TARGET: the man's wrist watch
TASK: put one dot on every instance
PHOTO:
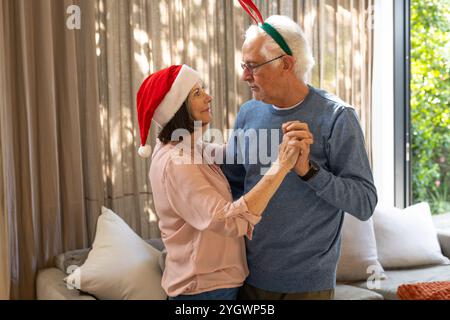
(313, 170)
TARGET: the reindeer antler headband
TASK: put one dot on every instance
(248, 6)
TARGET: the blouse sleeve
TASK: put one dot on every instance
(198, 202)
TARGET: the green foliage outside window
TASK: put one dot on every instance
(430, 102)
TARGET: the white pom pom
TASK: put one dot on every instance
(145, 151)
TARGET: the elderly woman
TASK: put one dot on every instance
(201, 226)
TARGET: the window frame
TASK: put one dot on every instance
(402, 118)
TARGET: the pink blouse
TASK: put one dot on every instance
(201, 227)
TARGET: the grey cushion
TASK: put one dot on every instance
(348, 292)
(444, 241)
(50, 285)
(388, 287)
(71, 258)
(156, 243)
(162, 260)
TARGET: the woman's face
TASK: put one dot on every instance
(199, 104)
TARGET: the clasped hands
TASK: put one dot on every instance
(295, 147)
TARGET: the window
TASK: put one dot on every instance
(430, 103)
(402, 168)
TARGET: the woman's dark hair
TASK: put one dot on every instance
(181, 120)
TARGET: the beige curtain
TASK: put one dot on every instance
(43, 94)
(4, 255)
(68, 123)
(141, 36)
(138, 37)
(4, 261)
(340, 32)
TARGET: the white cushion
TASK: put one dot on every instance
(359, 258)
(406, 238)
(120, 265)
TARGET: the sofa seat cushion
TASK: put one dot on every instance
(395, 278)
(50, 285)
(348, 292)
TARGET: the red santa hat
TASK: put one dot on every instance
(160, 96)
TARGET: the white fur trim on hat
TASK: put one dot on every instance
(145, 151)
(186, 79)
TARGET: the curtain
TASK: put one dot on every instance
(135, 38)
(4, 261)
(68, 123)
(45, 92)
(138, 37)
(341, 34)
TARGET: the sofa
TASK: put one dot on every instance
(50, 283)
(387, 289)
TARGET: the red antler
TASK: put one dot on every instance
(247, 5)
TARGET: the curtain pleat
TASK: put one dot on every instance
(5, 276)
(4, 228)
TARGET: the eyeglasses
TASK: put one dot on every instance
(251, 68)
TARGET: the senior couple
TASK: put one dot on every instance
(229, 230)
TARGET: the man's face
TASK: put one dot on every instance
(263, 80)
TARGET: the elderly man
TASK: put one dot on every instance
(295, 248)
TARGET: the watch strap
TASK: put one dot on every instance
(313, 170)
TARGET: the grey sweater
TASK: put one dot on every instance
(296, 245)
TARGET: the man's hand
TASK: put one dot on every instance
(302, 139)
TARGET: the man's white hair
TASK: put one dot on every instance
(294, 37)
